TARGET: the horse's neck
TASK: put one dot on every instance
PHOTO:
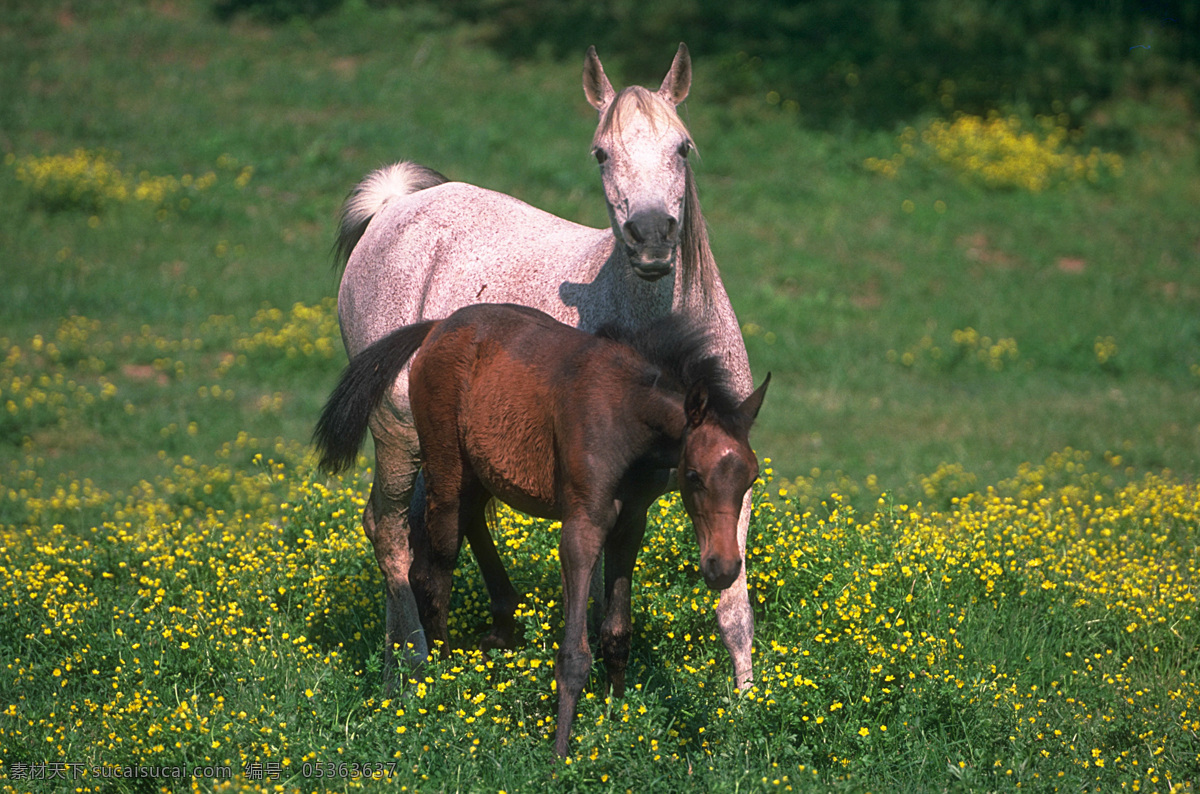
(687, 290)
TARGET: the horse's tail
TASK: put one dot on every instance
(343, 424)
(370, 195)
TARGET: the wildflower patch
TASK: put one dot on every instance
(998, 152)
(1051, 613)
(92, 180)
(229, 615)
(967, 348)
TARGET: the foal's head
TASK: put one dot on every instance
(642, 146)
(716, 465)
(716, 469)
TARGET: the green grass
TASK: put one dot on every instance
(228, 616)
(175, 359)
(813, 248)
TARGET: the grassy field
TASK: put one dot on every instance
(179, 587)
(836, 265)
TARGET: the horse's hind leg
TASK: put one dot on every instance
(500, 590)
(386, 524)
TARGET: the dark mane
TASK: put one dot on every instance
(680, 347)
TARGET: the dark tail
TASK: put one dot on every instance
(343, 423)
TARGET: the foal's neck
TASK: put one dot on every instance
(660, 410)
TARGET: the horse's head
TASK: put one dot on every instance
(716, 469)
(642, 146)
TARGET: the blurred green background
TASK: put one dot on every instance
(961, 235)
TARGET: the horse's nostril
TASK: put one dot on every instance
(651, 227)
(634, 232)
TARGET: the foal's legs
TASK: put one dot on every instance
(500, 590)
(620, 554)
(656, 483)
(454, 502)
(735, 617)
(578, 551)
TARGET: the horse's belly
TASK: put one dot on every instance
(510, 446)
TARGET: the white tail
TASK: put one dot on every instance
(373, 193)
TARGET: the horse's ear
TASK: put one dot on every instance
(596, 87)
(748, 410)
(695, 404)
(675, 85)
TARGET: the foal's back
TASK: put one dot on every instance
(497, 387)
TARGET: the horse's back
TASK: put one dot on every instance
(431, 252)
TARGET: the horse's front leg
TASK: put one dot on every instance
(578, 551)
(620, 555)
(735, 618)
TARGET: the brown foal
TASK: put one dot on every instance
(561, 424)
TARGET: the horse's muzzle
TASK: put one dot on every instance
(652, 269)
(651, 238)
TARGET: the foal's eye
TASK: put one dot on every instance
(600, 155)
(693, 478)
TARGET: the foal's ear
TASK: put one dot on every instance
(596, 88)
(748, 410)
(675, 85)
(695, 404)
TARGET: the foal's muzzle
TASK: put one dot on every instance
(720, 573)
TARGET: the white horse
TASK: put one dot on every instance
(419, 247)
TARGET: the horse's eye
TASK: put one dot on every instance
(693, 478)
(684, 149)
(600, 155)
